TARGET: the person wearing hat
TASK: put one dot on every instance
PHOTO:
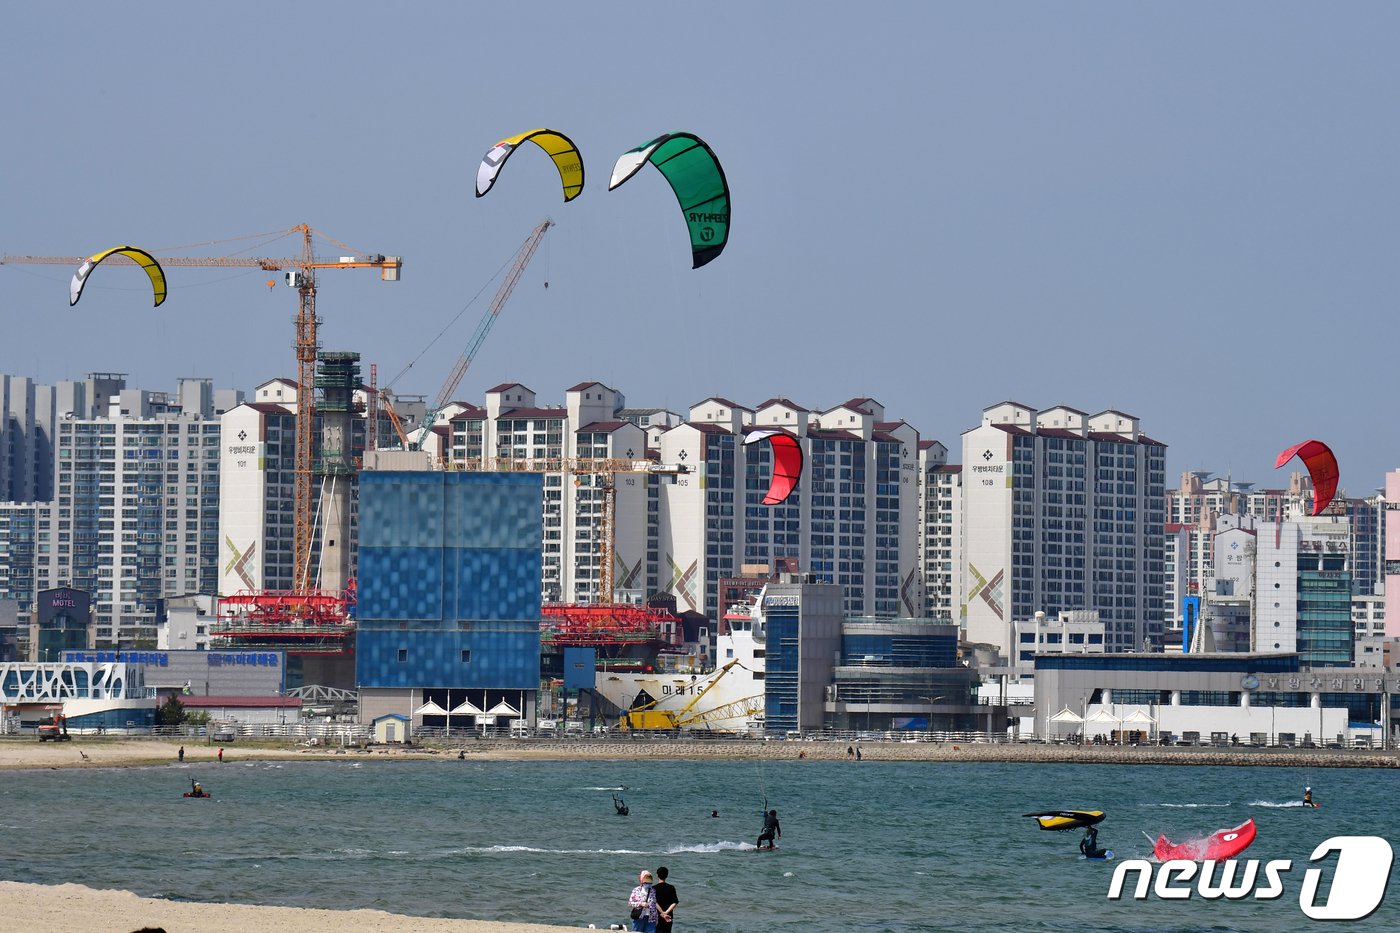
(642, 900)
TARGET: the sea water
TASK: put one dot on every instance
(871, 845)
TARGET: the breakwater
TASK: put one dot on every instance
(642, 746)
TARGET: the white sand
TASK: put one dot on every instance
(37, 908)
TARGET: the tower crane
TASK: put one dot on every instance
(488, 320)
(301, 275)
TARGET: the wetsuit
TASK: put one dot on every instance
(771, 829)
(1089, 845)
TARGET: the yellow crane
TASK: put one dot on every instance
(301, 275)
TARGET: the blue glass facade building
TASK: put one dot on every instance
(449, 580)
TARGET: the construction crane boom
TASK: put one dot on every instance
(517, 269)
(302, 277)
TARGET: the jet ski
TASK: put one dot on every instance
(1067, 819)
(1219, 845)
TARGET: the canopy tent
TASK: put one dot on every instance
(1140, 717)
(430, 708)
(1103, 714)
(503, 709)
(466, 708)
(1067, 715)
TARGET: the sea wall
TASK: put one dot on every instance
(648, 747)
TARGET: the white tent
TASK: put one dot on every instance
(466, 708)
(1140, 717)
(1104, 714)
(1067, 715)
(503, 709)
(430, 708)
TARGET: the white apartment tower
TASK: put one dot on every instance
(853, 519)
(1062, 511)
(137, 511)
(941, 520)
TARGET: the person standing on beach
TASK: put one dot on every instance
(182, 753)
(666, 900)
(221, 754)
(642, 900)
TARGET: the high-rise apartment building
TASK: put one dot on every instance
(1063, 511)
(941, 522)
(136, 509)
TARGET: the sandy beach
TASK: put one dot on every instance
(66, 907)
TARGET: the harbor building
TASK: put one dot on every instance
(449, 602)
(1256, 698)
(1063, 511)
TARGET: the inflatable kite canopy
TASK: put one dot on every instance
(787, 463)
(1322, 468)
(1219, 845)
(697, 179)
(139, 256)
(556, 145)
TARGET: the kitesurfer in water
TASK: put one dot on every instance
(771, 830)
(620, 805)
(1307, 797)
(1089, 845)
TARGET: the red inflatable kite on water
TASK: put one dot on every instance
(1322, 467)
(787, 463)
(1219, 845)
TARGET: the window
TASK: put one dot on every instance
(466, 656)
(403, 655)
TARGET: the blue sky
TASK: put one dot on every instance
(1186, 212)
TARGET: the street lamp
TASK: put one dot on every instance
(931, 701)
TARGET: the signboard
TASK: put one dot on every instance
(580, 668)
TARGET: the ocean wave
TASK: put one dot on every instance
(1276, 804)
(1189, 806)
(721, 846)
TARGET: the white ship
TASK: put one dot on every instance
(728, 698)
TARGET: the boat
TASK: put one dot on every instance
(729, 698)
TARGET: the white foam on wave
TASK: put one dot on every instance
(623, 787)
(1276, 804)
(506, 850)
(1202, 806)
(721, 846)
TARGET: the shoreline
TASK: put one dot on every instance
(106, 752)
(40, 908)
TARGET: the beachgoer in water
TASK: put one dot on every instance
(714, 814)
(771, 830)
(620, 806)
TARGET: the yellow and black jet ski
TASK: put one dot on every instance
(1067, 819)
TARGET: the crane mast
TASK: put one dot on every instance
(301, 274)
(517, 269)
